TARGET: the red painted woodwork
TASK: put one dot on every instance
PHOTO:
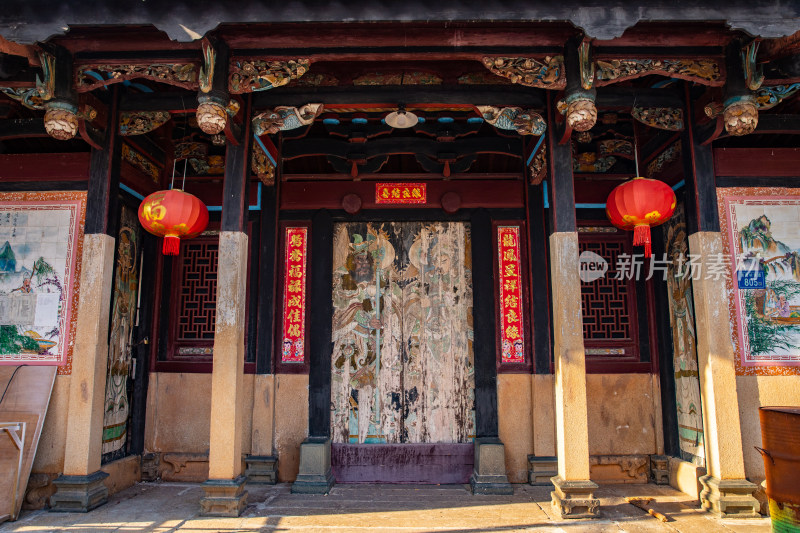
(44, 167)
(174, 215)
(109, 39)
(639, 204)
(329, 194)
(751, 162)
(439, 463)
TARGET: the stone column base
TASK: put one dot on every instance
(575, 499)
(659, 469)
(541, 469)
(315, 475)
(489, 474)
(729, 498)
(79, 494)
(261, 469)
(224, 497)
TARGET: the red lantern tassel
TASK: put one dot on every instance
(172, 245)
(641, 237)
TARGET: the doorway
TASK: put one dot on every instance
(402, 360)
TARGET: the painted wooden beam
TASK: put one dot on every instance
(746, 162)
(44, 167)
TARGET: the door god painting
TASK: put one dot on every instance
(402, 365)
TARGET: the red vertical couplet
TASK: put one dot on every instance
(510, 291)
(294, 296)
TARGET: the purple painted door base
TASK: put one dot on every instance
(435, 463)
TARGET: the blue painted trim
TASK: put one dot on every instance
(269, 155)
(445, 120)
(535, 149)
(679, 185)
(95, 75)
(474, 120)
(130, 191)
(421, 120)
(256, 207)
(544, 193)
(332, 121)
(590, 206)
(359, 120)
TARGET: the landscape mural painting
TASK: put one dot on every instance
(763, 234)
(38, 254)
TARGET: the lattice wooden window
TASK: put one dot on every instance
(194, 298)
(608, 303)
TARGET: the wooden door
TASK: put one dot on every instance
(402, 364)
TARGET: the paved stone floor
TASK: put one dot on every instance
(163, 507)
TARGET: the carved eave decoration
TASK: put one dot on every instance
(524, 122)
(184, 75)
(35, 97)
(538, 165)
(663, 118)
(141, 122)
(284, 118)
(615, 147)
(250, 75)
(663, 159)
(262, 165)
(769, 97)
(704, 71)
(141, 162)
(547, 73)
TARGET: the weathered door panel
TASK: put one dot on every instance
(402, 333)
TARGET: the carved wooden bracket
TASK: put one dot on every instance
(92, 76)
(285, 118)
(524, 122)
(250, 75)
(545, 73)
(663, 118)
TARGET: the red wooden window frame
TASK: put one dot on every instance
(525, 367)
(631, 362)
(172, 361)
(281, 367)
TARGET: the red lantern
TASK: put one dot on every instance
(638, 205)
(173, 214)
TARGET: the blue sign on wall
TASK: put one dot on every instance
(752, 279)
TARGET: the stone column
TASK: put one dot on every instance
(224, 490)
(81, 486)
(725, 490)
(225, 494)
(574, 492)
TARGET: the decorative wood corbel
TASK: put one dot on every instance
(284, 118)
(524, 122)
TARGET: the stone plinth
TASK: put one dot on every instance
(541, 469)
(79, 494)
(315, 475)
(729, 498)
(489, 475)
(224, 497)
(575, 499)
(261, 469)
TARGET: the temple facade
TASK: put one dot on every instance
(408, 274)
